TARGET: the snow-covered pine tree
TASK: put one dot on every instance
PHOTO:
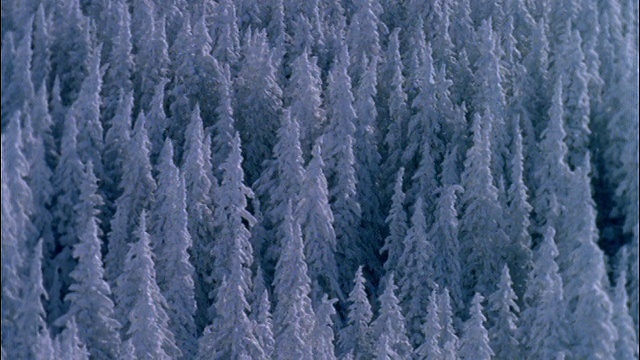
(200, 185)
(323, 335)
(447, 269)
(627, 343)
(118, 75)
(225, 33)
(543, 333)
(70, 48)
(68, 344)
(67, 180)
(86, 109)
(551, 170)
(589, 309)
(474, 343)
(138, 295)
(115, 148)
(137, 186)
(12, 261)
(41, 57)
(89, 294)
(232, 256)
(415, 273)
(367, 157)
(341, 175)
(280, 182)
(397, 224)
(294, 318)
(393, 112)
(482, 237)
(304, 98)
(260, 310)
(259, 102)
(390, 321)
(363, 39)
(30, 318)
(503, 314)
(171, 243)
(224, 127)
(356, 338)
(448, 339)
(316, 221)
(18, 89)
(431, 330)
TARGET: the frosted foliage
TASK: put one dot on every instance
(190, 179)
(474, 343)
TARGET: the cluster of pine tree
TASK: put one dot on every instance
(319, 179)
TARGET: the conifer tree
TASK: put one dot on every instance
(551, 169)
(503, 313)
(196, 169)
(137, 186)
(171, 243)
(339, 158)
(390, 321)
(397, 223)
(41, 57)
(316, 220)
(86, 110)
(481, 233)
(431, 329)
(12, 260)
(394, 129)
(138, 295)
(363, 38)
(592, 331)
(447, 269)
(18, 90)
(627, 344)
(448, 339)
(224, 128)
(543, 332)
(67, 180)
(226, 36)
(264, 323)
(474, 343)
(323, 336)
(151, 55)
(259, 102)
(118, 75)
(70, 48)
(69, 345)
(89, 294)
(415, 270)
(294, 318)
(115, 147)
(156, 118)
(356, 338)
(30, 317)
(367, 157)
(304, 99)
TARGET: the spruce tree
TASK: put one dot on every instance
(341, 175)
(447, 268)
(448, 339)
(323, 335)
(482, 237)
(171, 243)
(356, 338)
(474, 343)
(294, 318)
(390, 321)
(543, 333)
(316, 221)
(41, 57)
(263, 323)
(138, 295)
(397, 223)
(627, 343)
(503, 314)
(29, 319)
(415, 272)
(431, 330)
(68, 343)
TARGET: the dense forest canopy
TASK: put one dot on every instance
(320, 179)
